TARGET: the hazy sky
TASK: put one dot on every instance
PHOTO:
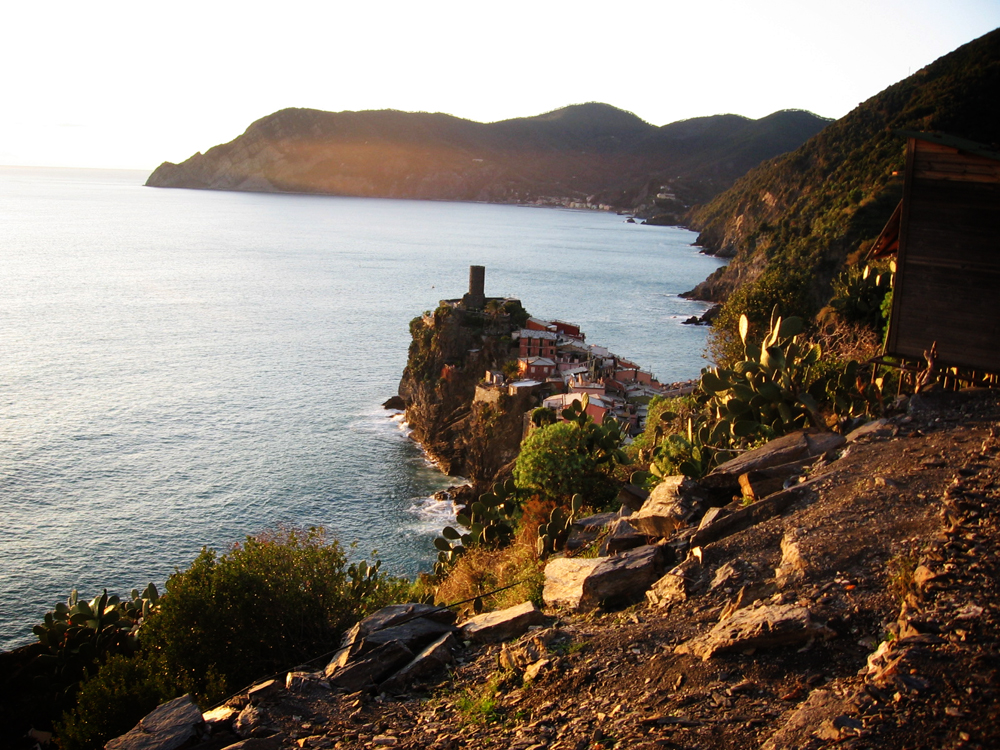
(131, 84)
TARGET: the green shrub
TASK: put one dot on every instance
(110, 703)
(280, 598)
(561, 460)
(859, 293)
(788, 290)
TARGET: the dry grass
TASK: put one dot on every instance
(843, 341)
(480, 570)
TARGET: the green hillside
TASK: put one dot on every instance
(794, 221)
(590, 154)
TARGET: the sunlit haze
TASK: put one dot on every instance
(125, 84)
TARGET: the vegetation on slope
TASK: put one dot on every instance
(792, 223)
(583, 152)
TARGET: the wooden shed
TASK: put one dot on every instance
(946, 236)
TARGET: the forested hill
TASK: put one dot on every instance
(582, 153)
(801, 215)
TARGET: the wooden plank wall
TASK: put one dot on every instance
(948, 269)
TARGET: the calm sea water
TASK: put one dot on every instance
(183, 368)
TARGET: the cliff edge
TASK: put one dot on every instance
(466, 430)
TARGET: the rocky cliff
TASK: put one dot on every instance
(450, 353)
(590, 153)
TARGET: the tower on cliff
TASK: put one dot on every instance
(475, 299)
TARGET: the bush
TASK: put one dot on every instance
(280, 598)
(556, 462)
(110, 703)
(859, 294)
(788, 290)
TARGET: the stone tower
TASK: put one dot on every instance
(476, 298)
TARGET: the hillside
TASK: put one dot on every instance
(810, 209)
(859, 639)
(583, 153)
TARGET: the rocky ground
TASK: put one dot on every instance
(875, 600)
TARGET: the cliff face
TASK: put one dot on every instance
(449, 355)
(592, 153)
(811, 208)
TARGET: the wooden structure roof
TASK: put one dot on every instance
(946, 234)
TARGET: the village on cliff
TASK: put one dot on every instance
(555, 363)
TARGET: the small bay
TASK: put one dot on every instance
(182, 368)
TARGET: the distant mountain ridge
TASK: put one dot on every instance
(588, 153)
(810, 210)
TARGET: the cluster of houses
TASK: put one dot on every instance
(555, 361)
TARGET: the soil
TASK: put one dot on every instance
(898, 541)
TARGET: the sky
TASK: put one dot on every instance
(132, 84)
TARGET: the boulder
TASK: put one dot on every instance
(631, 497)
(169, 726)
(251, 721)
(395, 403)
(415, 625)
(263, 690)
(430, 660)
(367, 672)
(795, 446)
(220, 717)
(671, 504)
(582, 585)
(793, 567)
(806, 723)
(565, 578)
(621, 536)
(586, 530)
(676, 584)
(302, 682)
(502, 625)
(529, 650)
(759, 627)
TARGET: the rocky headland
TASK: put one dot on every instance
(588, 155)
(465, 434)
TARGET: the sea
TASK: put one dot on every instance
(182, 368)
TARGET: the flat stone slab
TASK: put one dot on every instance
(169, 726)
(503, 625)
(794, 446)
(428, 661)
(259, 743)
(751, 515)
(582, 585)
(757, 627)
(372, 669)
(801, 727)
(414, 634)
(877, 428)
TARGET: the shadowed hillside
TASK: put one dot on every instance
(809, 210)
(587, 153)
